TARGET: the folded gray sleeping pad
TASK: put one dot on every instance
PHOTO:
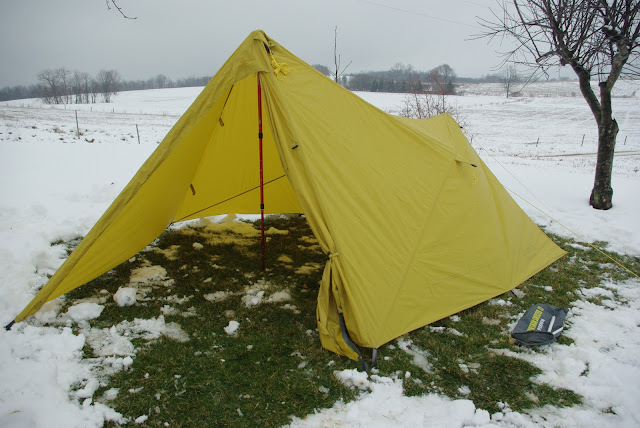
(541, 324)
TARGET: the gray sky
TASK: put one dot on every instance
(181, 38)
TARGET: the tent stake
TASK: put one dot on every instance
(261, 171)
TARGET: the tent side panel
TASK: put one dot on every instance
(151, 199)
(366, 183)
(415, 232)
(478, 244)
(137, 216)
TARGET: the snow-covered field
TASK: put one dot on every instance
(54, 185)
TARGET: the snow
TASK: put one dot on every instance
(125, 296)
(382, 404)
(218, 296)
(85, 311)
(147, 274)
(353, 379)
(116, 341)
(141, 419)
(54, 186)
(600, 366)
(420, 357)
(232, 328)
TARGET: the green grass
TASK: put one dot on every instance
(275, 366)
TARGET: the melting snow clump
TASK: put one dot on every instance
(148, 274)
(218, 296)
(273, 231)
(253, 297)
(141, 419)
(353, 379)
(464, 390)
(111, 394)
(85, 311)
(232, 328)
(419, 356)
(125, 296)
(127, 362)
(279, 296)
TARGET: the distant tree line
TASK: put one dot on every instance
(19, 92)
(62, 86)
(405, 79)
(400, 78)
(161, 81)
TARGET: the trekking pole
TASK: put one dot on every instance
(261, 171)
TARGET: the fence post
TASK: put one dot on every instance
(138, 132)
(77, 126)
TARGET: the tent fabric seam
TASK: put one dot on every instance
(418, 241)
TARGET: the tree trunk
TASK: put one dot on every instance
(602, 193)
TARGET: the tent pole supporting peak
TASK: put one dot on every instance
(261, 170)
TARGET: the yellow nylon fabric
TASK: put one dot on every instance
(160, 192)
(414, 225)
(228, 176)
(418, 231)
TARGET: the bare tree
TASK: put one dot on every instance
(442, 80)
(161, 81)
(80, 88)
(64, 75)
(87, 85)
(336, 58)
(598, 39)
(53, 85)
(508, 77)
(400, 71)
(48, 84)
(118, 8)
(94, 90)
(322, 69)
(421, 102)
(108, 81)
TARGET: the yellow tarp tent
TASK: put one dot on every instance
(414, 225)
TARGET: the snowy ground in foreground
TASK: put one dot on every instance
(54, 186)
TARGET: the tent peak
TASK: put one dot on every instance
(260, 35)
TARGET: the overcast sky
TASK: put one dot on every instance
(181, 38)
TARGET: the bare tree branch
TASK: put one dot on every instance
(598, 39)
(118, 8)
(336, 57)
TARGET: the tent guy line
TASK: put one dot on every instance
(226, 200)
(425, 15)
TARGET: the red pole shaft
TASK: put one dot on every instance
(261, 169)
